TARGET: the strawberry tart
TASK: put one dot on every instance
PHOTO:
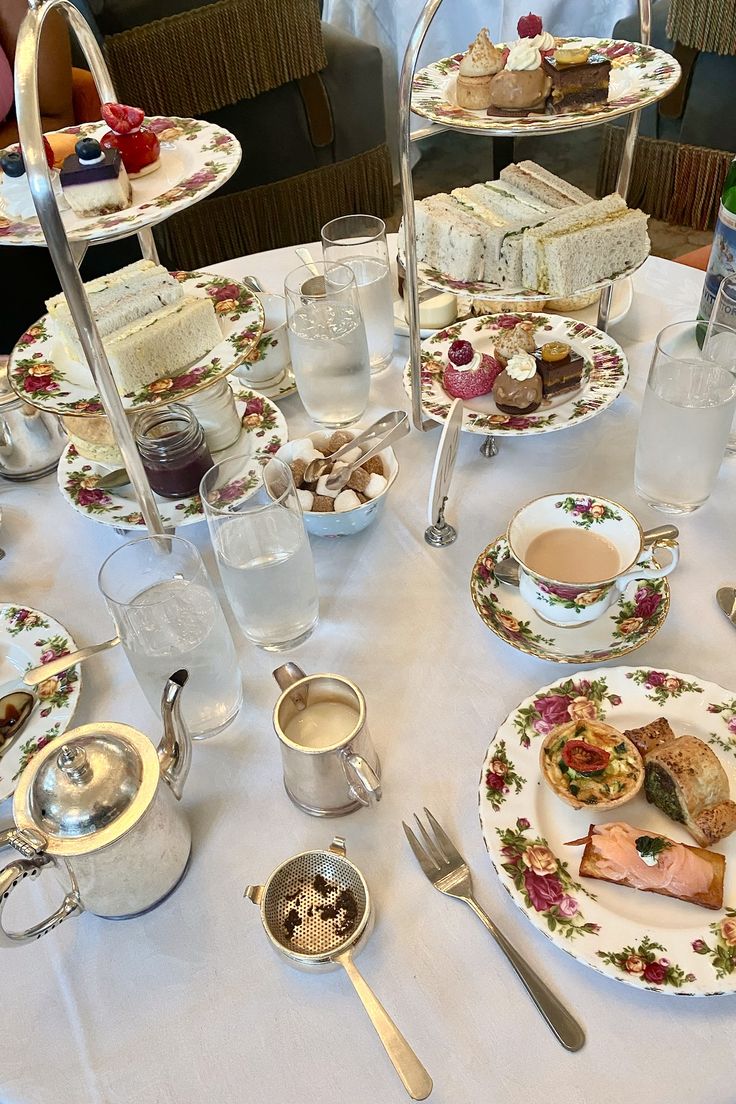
(469, 374)
(138, 145)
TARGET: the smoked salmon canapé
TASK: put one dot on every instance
(591, 765)
(640, 859)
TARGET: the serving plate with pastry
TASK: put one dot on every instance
(520, 374)
(607, 807)
(167, 335)
(117, 176)
(541, 83)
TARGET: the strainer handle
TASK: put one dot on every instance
(414, 1076)
(363, 780)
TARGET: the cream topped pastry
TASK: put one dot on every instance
(477, 68)
(522, 366)
(523, 57)
(468, 374)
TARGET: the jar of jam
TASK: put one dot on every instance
(173, 449)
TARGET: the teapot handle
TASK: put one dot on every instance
(12, 876)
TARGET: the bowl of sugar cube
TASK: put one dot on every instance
(338, 513)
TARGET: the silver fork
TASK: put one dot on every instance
(448, 872)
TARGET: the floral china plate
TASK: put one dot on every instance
(629, 623)
(27, 639)
(640, 75)
(43, 373)
(605, 375)
(643, 939)
(286, 385)
(196, 159)
(263, 432)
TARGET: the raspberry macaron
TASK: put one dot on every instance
(469, 374)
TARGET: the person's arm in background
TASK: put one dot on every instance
(54, 67)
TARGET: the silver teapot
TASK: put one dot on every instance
(31, 440)
(100, 806)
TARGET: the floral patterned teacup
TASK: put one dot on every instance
(567, 603)
(266, 363)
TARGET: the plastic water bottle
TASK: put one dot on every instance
(722, 260)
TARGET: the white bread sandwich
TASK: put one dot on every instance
(534, 181)
(163, 344)
(116, 300)
(582, 245)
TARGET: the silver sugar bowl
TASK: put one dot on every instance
(31, 440)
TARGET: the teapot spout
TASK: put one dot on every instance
(175, 749)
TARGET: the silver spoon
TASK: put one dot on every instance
(18, 697)
(507, 570)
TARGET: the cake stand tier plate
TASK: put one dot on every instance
(605, 375)
(640, 75)
(27, 639)
(263, 432)
(646, 940)
(196, 159)
(43, 373)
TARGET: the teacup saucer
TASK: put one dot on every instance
(284, 386)
(632, 621)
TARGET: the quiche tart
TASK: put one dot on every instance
(591, 765)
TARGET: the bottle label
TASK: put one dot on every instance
(722, 259)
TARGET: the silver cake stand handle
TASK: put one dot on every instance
(62, 255)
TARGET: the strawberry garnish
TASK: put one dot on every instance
(121, 118)
(529, 26)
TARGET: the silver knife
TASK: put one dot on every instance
(726, 597)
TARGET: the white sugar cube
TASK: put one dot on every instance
(303, 449)
(350, 456)
(306, 499)
(346, 500)
(323, 489)
(375, 486)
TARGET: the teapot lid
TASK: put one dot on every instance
(87, 787)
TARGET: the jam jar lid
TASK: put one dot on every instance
(87, 787)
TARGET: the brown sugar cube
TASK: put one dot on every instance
(363, 498)
(323, 505)
(358, 481)
(374, 466)
(339, 438)
(298, 468)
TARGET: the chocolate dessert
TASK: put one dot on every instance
(518, 92)
(577, 85)
(560, 367)
(513, 396)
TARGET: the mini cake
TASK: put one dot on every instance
(94, 180)
(518, 389)
(579, 78)
(510, 339)
(139, 147)
(522, 85)
(93, 439)
(16, 200)
(469, 374)
(482, 61)
(560, 367)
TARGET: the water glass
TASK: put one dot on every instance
(688, 408)
(329, 352)
(359, 241)
(262, 550)
(723, 315)
(168, 616)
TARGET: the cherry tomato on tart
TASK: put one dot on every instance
(591, 765)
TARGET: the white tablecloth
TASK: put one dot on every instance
(188, 1003)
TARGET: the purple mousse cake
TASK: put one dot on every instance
(94, 180)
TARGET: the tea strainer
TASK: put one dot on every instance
(316, 910)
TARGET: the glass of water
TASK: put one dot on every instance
(262, 549)
(359, 241)
(168, 616)
(722, 329)
(329, 352)
(688, 408)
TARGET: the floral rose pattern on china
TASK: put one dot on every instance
(55, 691)
(727, 712)
(501, 777)
(587, 511)
(30, 747)
(19, 619)
(490, 606)
(722, 949)
(569, 700)
(543, 881)
(661, 686)
(642, 962)
(635, 616)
